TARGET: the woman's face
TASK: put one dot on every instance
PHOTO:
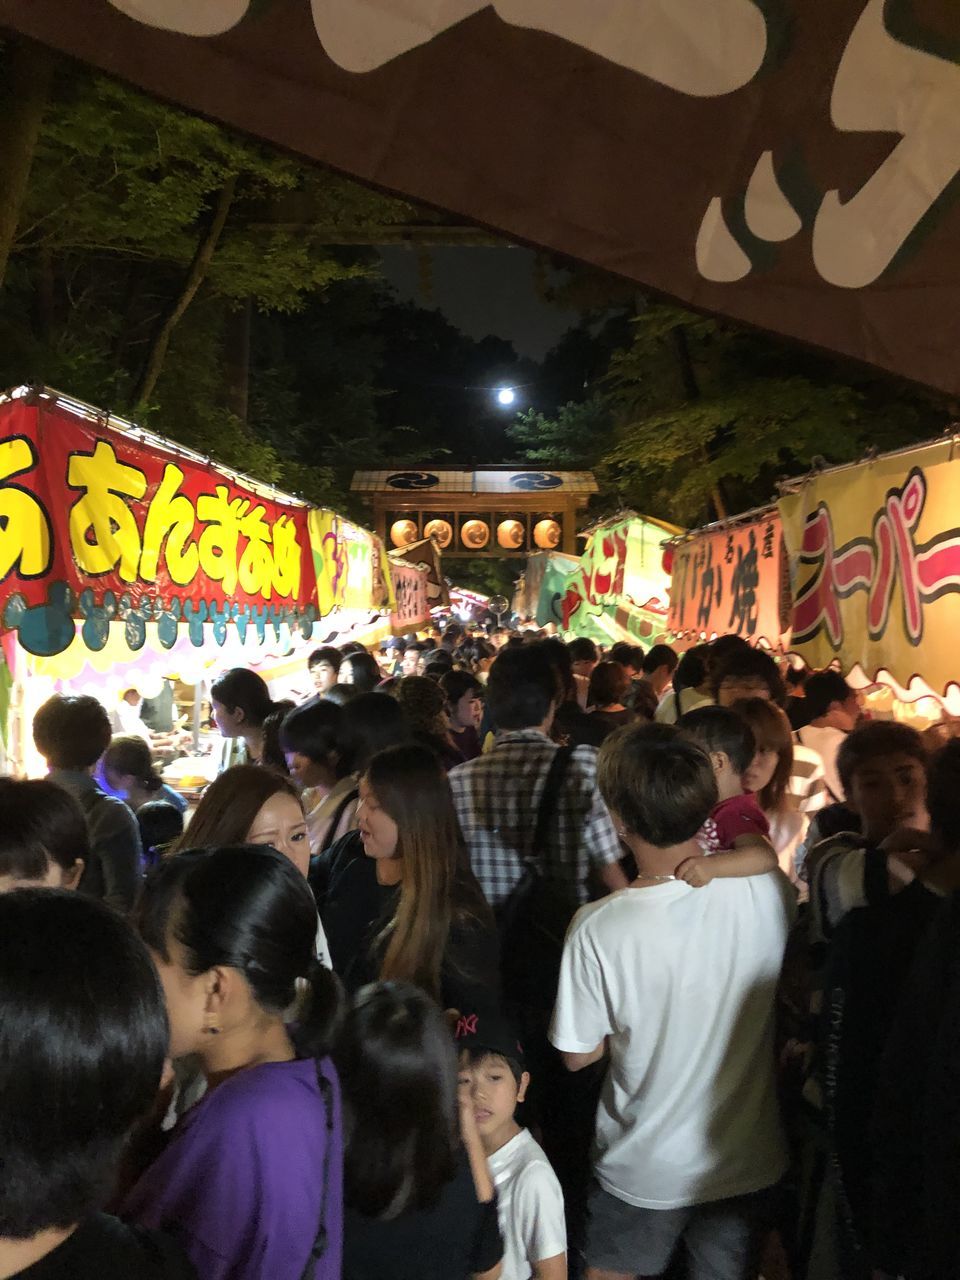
(346, 672)
(761, 769)
(468, 711)
(230, 723)
(378, 831)
(281, 824)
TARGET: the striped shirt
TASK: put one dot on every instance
(497, 797)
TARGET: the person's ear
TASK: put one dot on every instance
(524, 1086)
(71, 878)
(719, 760)
(239, 715)
(218, 986)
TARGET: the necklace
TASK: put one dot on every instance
(659, 879)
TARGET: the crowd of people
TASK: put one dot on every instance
(497, 958)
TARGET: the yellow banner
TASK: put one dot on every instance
(875, 565)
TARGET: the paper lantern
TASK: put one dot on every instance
(546, 534)
(403, 532)
(440, 531)
(510, 534)
(475, 534)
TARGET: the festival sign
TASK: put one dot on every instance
(875, 561)
(622, 572)
(787, 163)
(349, 563)
(104, 524)
(731, 581)
(412, 601)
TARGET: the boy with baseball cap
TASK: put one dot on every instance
(494, 1077)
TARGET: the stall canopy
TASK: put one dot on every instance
(731, 578)
(619, 588)
(875, 561)
(113, 540)
(787, 163)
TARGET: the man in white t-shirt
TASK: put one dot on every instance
(494, 1079)
(834, 709)
(677, 984)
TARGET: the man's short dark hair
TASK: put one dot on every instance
(943, 796)
(71, 733)
(874, 739)
(582, 649)
(824, 688)
(661, 655)
(659, 782)
(721, 729)
(521, 687)
(83, 1035)
(328, 654)
(628, 655)
(744, 663)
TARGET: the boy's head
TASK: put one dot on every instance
(43, 835)
(658, 784)
(743, 672)
(831, 700)
(492, 1073)
(659, 665)
(883, 769)
(324, 665)
(71, 733)
(943, 796)
(727, 739)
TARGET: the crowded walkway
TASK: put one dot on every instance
(497, 958)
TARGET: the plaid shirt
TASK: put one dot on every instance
(497, 797)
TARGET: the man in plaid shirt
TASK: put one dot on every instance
(497, 796)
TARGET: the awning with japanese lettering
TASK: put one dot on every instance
(732, 580)
(621, 577)
(104, 524)
(787, 163)
(874, 554)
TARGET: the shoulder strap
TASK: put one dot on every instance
(548, 800)
(337, 818)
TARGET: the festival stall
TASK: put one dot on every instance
(618, 590)
(874, 550)
(731, 577)
(128, 563)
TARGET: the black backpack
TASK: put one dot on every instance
(533, 920)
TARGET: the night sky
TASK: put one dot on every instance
(483, 291)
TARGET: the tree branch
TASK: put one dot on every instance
(195, 277)
(28, 69)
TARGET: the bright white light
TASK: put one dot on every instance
(506, 396)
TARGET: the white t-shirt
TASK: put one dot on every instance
(682, 981)
(530, 1206)
(825, 741)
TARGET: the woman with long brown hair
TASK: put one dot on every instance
(399, 900)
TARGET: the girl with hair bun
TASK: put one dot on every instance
(127, 769)
(251, 1181)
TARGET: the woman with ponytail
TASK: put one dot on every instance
(127, 768)
(250, 1182)
(242, 706)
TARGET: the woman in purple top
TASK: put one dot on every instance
(250, 1183)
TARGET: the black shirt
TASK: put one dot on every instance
(453, 1240)
(354, 908)
(104, 1248)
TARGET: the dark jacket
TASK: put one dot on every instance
(112, 872)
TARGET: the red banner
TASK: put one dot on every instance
(100, 524)
(732, 581)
